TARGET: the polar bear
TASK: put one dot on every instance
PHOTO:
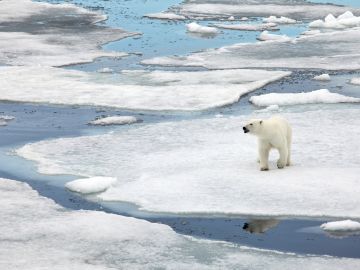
(274, 132)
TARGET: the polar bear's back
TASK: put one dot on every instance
(280, 124)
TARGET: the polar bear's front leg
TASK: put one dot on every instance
(283, 151)
(264, 149)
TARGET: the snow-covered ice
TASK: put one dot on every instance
(279, 20)
(165, 16)
(317, 96)
(114, 120)
(4, 119)
(355, 81)
(337, 50)
(266, 36)
(133, 90)
(248, 27)
(56, 44)
(91, 185)
(197, 28)
(322, 77)
(105, 70)
(48, 236)
(341, 226)
(295, 9)
(311, 32)
(346, 20)
(209, 166)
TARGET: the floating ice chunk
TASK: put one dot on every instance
(50, 237)
(165, 16)
(355, 81)
(248, 27)
(91, 185)
(279, 20)
(105, 70)
(4, 119)
(114, 120)
(322, 77)
(266, 36)
(56, 44)
(231, 18)
(317, 96)
(196, 28)
(187, 90)
(329, 51)
(271, 108)
(341, 226)
(346, 20)
(208, 166)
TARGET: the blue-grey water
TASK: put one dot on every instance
(160, 38)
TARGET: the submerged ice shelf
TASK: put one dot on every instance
(49, 236)
(208, 166)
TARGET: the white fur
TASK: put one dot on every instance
(274, 132)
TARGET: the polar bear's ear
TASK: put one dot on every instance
(260, 122)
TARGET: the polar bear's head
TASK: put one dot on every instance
(253, 126)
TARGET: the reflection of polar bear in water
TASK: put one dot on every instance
(260, 225)
(274, 132)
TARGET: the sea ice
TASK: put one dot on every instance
(50, 237)
(322, 77)
(317, 96)
(196, 28)
(295, 9)
(165, 16)
(159, 90)
(105, 70)
(266, 36)
(91, 185)
(57, 44)
(346, 20)
(341, 226)
(337, 50)
(114, 120)
(4, 119)
(355, 81)
(279, 20)
(208, 166)
(248, 27)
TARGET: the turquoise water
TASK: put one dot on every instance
(350, 3)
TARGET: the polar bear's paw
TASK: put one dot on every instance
(280, 164)
(264, 169)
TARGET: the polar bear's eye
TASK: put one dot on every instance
(251, 124)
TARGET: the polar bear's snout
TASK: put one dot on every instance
(245, 130)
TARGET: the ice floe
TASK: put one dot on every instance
(323, 77)
(311, 32)
(279, 20)
(114, 120)
(337, 50)
(165, 16)
(295, 9)
(341, 226)
(209, 166)
(91, 185)
(317, 96)
(56, 44)
(105, 70)
(140, 90)
(248, 27)
(346, 20)
(355, 81)
(4, 119)
(50, 237)
(197, 28)
(266, 36)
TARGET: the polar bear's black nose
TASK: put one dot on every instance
(245, 130)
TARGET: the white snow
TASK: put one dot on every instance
(114, 120)
(343, 21)
(248, 27)
(341, 226)
(317, 96)
(266, 36)
(279, 20)
(105, 70)
(165, 16)
(231, 18)
(91, 185)
(336, 50)
(57, 44)
(355, 81)
(48, 236)
(322, 77)
(197, 28)
(208, 166)
(140, 90)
